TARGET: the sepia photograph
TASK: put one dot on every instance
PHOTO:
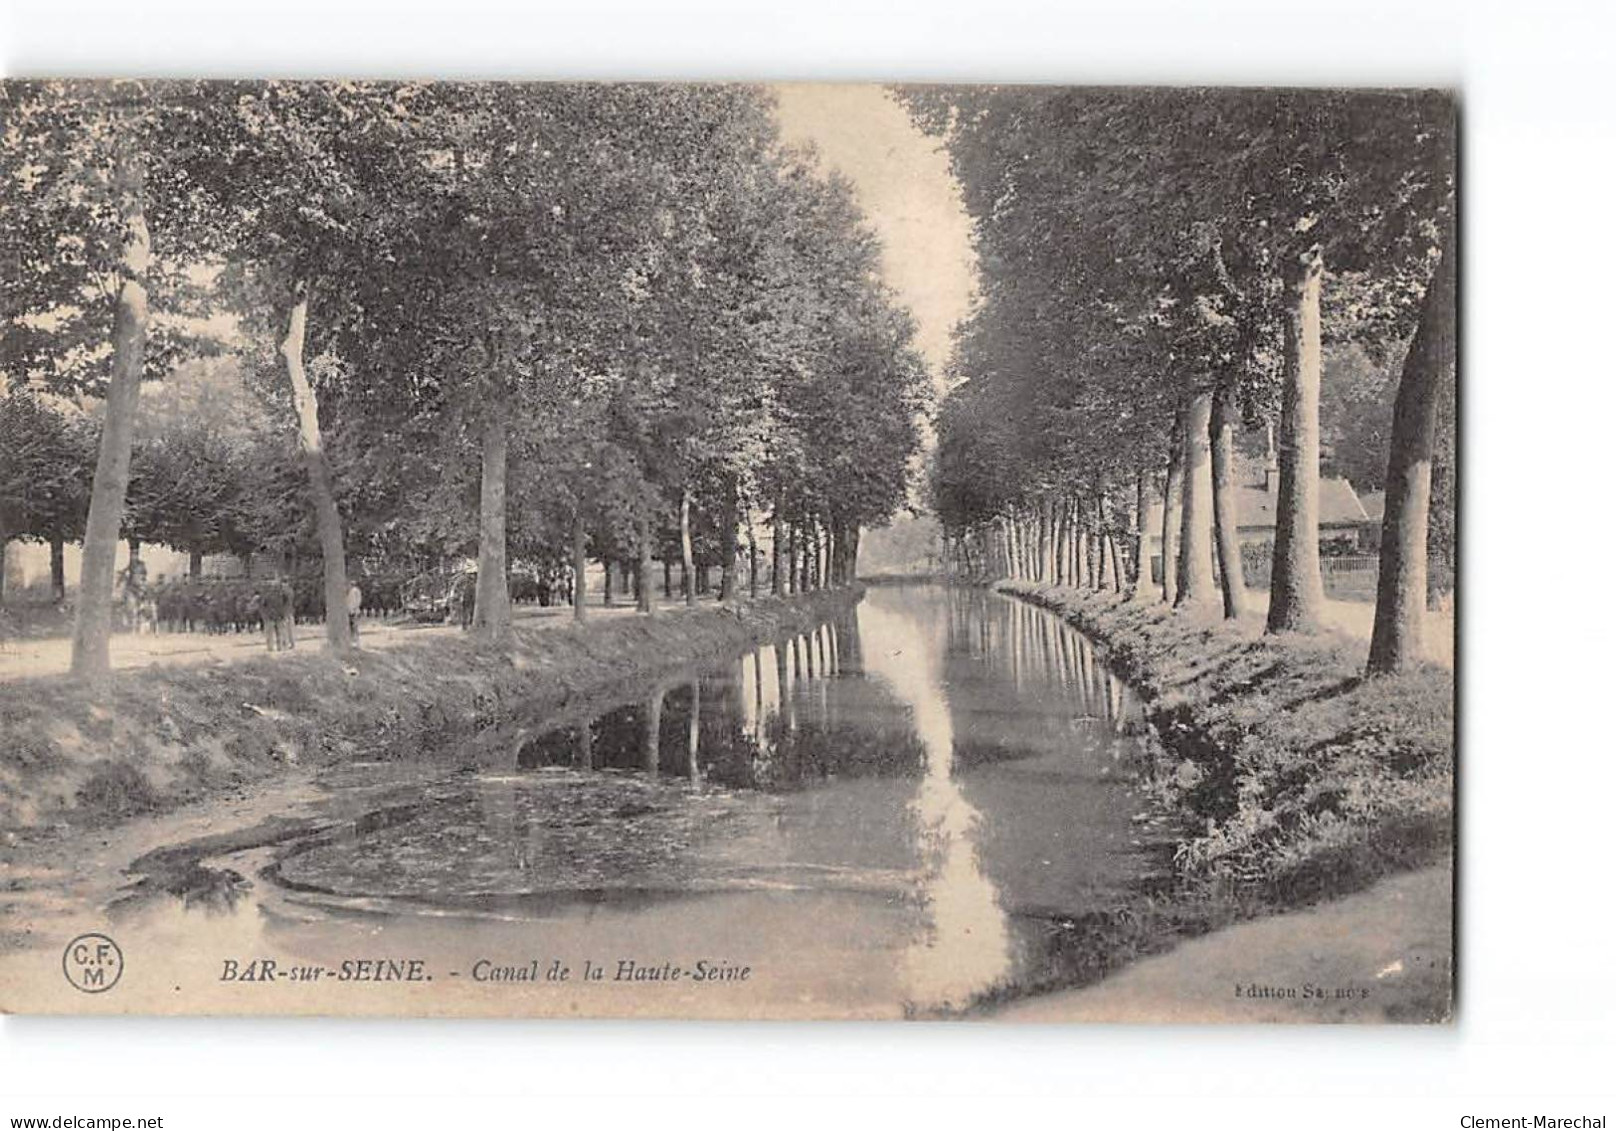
(728, 550)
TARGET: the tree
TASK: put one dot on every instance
(93, 173)
(101, 224)
(47, 457)
(501, 318)
(1145, 250)
(1195, 583)
(1400, 596)
(1296, 588)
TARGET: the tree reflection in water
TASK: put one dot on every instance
(967, 944)
(935, 778)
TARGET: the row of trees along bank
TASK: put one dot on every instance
(522, 320)
(1162, 272)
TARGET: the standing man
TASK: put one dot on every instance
(272, 609)
(288, 622)
(466, 599)
(355, 600)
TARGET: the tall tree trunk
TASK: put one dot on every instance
(854, 533)
(1400, 595)
(1063, 519)
(1117, 584)
(580, 562)
(751, 557)
(806, 582)
(491, 616)
(1042, 560)
(686, 554)
(58, 569)
(1057, 542)
(1226, 500)
(1196, 585)
(92, 619)
(1172, 493)
(1074, 531)
(647, 586)
(328, 521)
(1296, 590)
(693, 731)
(1102, 560)
(777, 538)
(1052, 565)
(195, 568)
(791, 558)
(1142, 588)
(731, 551)
(1095, 548)
(1080, 549)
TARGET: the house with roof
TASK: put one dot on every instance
(1345, 526)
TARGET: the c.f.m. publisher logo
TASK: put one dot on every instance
(92, 963)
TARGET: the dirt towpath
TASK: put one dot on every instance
(1384, 954)
(23, 659)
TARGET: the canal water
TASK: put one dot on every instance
(893, 813)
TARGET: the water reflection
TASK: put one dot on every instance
(802, 710)
(966, 945)
(940, 774)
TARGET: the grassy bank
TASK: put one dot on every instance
(1282, 776)
(1288, 769)
(160, 737)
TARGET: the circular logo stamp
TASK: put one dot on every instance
(92, 963)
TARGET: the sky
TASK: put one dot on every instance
(906, 190)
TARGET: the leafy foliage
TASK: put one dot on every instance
(651, 292)
(1135, 248)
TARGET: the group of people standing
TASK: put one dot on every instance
(214, 607)
(190, 604)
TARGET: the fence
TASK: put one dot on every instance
(1347, 577)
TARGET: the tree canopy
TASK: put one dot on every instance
(484, 314)
(1157, 258)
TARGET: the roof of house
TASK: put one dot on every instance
(1338, 506)
(1374, 504)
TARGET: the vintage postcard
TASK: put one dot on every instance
(727, 551)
